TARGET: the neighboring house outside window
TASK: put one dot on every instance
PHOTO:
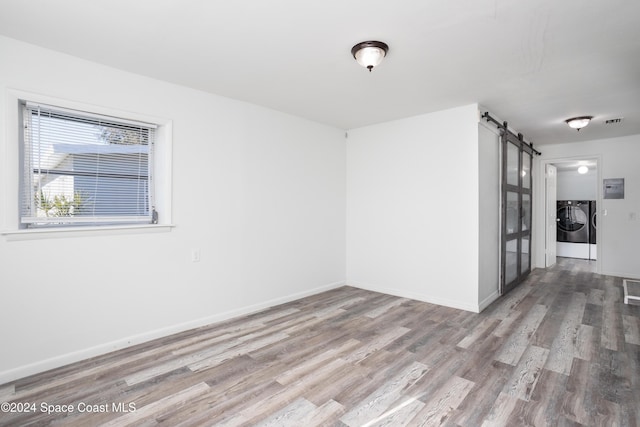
(80, 168)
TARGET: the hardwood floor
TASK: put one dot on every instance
(561, 350)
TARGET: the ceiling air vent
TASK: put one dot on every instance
(613, 121)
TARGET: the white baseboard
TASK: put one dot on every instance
(488, 300)
(76, 356)
(623, 275)
(416, 296)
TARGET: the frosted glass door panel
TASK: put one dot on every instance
(511, 261)
(526, 170)
(513, 154)
(513, 215)
(526, 212)
(524, 266)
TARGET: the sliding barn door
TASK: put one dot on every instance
(516, 211)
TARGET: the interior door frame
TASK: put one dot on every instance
(542, 194)
(520, 234)
(550, 236)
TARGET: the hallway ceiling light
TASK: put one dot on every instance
(370, 54)
(582, 170)
(578, 122)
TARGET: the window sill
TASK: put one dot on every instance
(49, 233)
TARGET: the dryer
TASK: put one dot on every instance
(593, 247)
(573, 221)
(592, 222)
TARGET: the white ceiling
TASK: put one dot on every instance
(533, 63)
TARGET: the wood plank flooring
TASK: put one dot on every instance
(560, 350)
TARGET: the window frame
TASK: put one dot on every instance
(10, 217)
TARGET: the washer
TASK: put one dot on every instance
(573, 221)
(592, 222)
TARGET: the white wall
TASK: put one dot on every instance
(619, 229)
(260, 193)
(575, 186)
(412, 207)
(489, 213)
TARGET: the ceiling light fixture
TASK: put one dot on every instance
(583, 169)
(370, 54)
(578, 122)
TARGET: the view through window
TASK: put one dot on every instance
(84, 169)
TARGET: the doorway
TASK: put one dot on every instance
(572, 199)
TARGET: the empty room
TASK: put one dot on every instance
(287, 213)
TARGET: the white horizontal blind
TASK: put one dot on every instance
(83, 168)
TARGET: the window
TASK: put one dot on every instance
(80, 168)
